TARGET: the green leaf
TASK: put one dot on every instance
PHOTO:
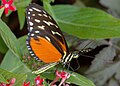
(22, 42)
(2, 79)
(21, 17)
(48, 8)
(22, 3)
(10, 39)
(87, 22)
(20, 78)
(15, 66)
(80, 80)
(3, 47)
(1, 11)
(48, 1)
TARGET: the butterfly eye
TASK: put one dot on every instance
(75, 55)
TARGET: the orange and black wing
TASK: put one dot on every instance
(45, 40)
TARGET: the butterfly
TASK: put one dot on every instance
(45, 40)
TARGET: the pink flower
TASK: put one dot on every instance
(8, 6)
(39, 81)
(26, 84)
(63, 75)
(10, 82)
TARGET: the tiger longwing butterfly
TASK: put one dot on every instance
(45, 40)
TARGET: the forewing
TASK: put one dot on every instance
(39, 19)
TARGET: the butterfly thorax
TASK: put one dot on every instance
(68, 57)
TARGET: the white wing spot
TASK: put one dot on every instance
(30, 10)
(47, 38)
(37, 31)
(56, 26)
(36, 58)
(31, 52)
(56, 33)
(31, 24)
(28, 17)
(32, 34)
(31, 28)
(36, 9)
(44, 12)
(46, 22)
(33, 14)
(29, 48)
(27, 42)
(39, 14)
(42, 27)
(38, 21)
(51, 23)
(50, 17)
(45, 15)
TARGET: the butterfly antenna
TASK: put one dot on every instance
(86, 56)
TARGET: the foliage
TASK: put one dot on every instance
(85, 23)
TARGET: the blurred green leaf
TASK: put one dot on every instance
(3, 47)
(87, 22)
(15, 66)
(1, 11)
(10, 39)
(48, 1)
(15, 63)
(48, 8)
(22, 42)
(80, 80)
(2, 79)
(21, 16)
(20, 78)
(22, 3)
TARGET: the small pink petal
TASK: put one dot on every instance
(12, 8)
(1, 6)
(65, 84)
(38, 80)
(12, 81)
(10, 2)
(4, 1)
(58, 74)
(29, 57)
(6, 10)
(26, 84)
